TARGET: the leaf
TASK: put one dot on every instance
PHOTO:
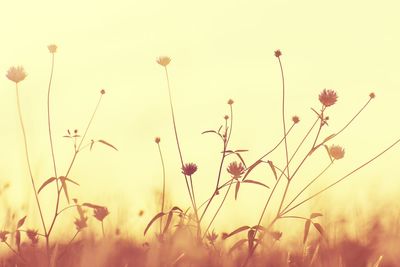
(106, 143)
(329, 154)
(237, 189)
(255, 182)
(21, 222)
(315, 215)
(93, 206)
(48, 181)
(240, 229)
(176, 208)
(250, 237)
(64, 185)
(329, 138)
(169, 219)
(259, 228)
(251, 168)
(237, 245)
(306, 230)
(159, 215)
(271, 164)
(71, 181)
(319, 228)
(91, 144)
(18, 239)
(241, 150)
(241, 159)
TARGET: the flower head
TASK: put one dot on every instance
(336, 152)
(52, 48)
(163, 61)
(100, 213)
(236, 169)
(33, 236)
(278, 53)
(189, 168)
(230, 102)
(3, 236)
(226, 117)
(328, 97)
(16, 74)
(212, 237)
(80, 223)
(102, 91)
(372, 95)
(295, 119)
(157, 140)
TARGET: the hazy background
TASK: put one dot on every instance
(219, 50)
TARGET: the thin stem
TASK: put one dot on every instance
(49, 119)
(163, 192)
(67, 246)
(283, 118)
(102, 228)
(344, 177)
(27, 158)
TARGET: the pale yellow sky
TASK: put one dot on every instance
(219, 50)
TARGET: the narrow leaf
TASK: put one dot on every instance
(255, 182)
(250, 237)
(93, 206)
(108, 144)
(48, 181)
(71, 181)
(21, 222)
(169, 219)
(237, 189)
(315, 215)
(329, 138)
(240, 229)
(91, 144)
(241, 159)
(64, 187)
(306, 230)
(319, 228)
(237, 245)
(241, 150)
(271, 164)
(176, 208)
(251, 168)
(159, 215)
(18, 239)
(329, 154)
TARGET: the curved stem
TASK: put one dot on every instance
(163, 192)
(283, 118)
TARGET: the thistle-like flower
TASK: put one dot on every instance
(163, 61)
(372, 95)
(336, 152)
(33, 236)
(328, 97)
(212, 237)
(16, 74)
(52, 48)
(278, 53)
(295, 119)
(81, 223)
(236, 169)
(3, 236)
(230, 102)
(100, 213)
(157, 140)
(189, 168)
(102, 91)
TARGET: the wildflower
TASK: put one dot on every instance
(189, 168)
(141, 212)
(16, 74)
(230, 102)
(212, 237)
(226, 117)
(3, 236)
(52, 48)
(372, 95)
(81, 223)
(295, 119)
(328, 97)
(336, 152)
(157, 140)
(163, 61)
(278, 53)
(235, 169)
(100, 213)
(33, 236)
(102, 91)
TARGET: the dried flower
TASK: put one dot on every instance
(81, 223)
(372, 95)
(100, 213)
(230, 102)
(236, 169)
(163, 61)
(278, 53)
(295, 119)
(33, 236)
(226, 117)
(52, 48)
(212, 237)
(157, 140)
(336, 152)
(102, 91)
(16, 74)
(328, 97)
(189, 168)
(3, 236)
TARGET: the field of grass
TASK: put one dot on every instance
(184, 235)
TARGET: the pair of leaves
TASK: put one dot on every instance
(316, 225)
(63, 180)
(161, 214)
(103, 142)
(248, 182)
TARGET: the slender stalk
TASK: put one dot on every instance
(49, 119)
(163, 192)
(27, 158)
(102, 228)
